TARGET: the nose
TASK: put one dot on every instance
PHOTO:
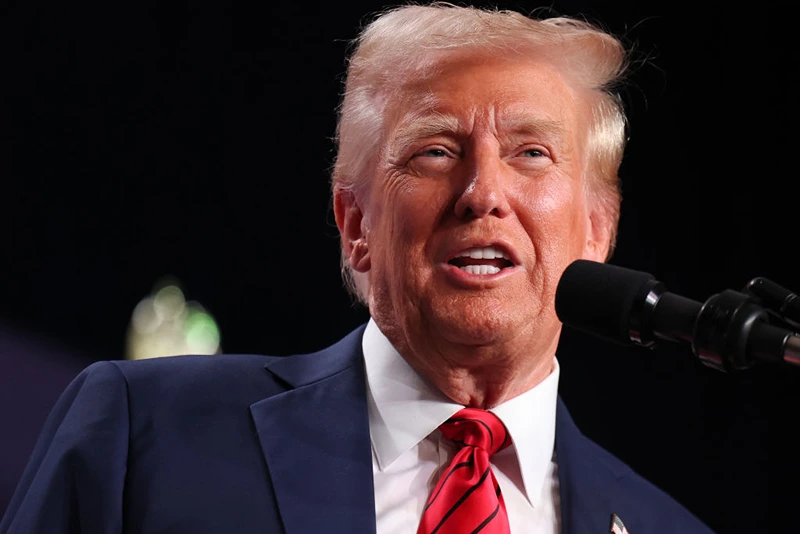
(484, 193)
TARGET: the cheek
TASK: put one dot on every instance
(407, 216)
(559, 212)
(415, 210)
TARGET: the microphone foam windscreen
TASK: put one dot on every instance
(600, 298)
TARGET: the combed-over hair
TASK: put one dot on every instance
(407, 42)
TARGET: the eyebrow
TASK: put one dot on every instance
(525, 123)
(424, 125)
(431, 124)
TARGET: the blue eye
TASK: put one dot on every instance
(533, 153)
(434, 153)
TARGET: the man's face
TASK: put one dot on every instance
(476, 206)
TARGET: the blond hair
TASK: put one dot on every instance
(405, 42)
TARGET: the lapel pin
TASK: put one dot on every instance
(617, 526)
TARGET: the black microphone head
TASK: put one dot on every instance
(777, 298)
(604, 300)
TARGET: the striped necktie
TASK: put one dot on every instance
(467, 498)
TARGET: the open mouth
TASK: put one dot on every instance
(482, 260)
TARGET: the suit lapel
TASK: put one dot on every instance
(318, 430)
(587, 482)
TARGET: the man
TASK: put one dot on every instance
(477, 158)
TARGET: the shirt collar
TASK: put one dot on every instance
(404, 408)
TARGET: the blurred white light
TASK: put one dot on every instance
(169, 303)
(145, 319)
(165, 324)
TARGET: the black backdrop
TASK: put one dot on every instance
(194, 140)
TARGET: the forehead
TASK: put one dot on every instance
(511, 95)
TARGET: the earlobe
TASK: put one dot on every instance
(598, 238)
(352, 228)
(359, 257)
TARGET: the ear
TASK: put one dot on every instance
(598, 238)
(350, 221)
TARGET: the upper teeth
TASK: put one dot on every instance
(484, 253)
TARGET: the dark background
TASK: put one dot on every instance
(193, 140)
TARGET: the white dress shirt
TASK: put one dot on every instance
(405, 412)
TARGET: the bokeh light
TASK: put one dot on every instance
(164, 323)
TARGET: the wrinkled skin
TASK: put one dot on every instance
(485, 153)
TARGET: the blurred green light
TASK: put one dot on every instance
(202, 332)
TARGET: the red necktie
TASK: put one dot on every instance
(466, 497)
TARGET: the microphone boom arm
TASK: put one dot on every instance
(731, 330)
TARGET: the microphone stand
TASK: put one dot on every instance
(734, 330)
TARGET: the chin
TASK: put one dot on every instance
(472, 325)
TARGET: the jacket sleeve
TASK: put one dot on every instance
(74, 480)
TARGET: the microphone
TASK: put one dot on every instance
(730, 331)
(778, 298)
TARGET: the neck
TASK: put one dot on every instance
(483, 376)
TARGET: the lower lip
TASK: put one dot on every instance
(466, 279)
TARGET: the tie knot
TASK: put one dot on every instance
(476, 428)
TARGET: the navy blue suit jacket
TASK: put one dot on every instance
(258, 444)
